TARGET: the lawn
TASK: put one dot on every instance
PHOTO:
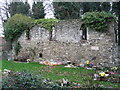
(78, 75)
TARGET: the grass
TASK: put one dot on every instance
(78, 75)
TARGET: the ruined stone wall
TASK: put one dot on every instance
(68, 45)
(3, 49)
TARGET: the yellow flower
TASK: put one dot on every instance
(102, 74)
(88, 62)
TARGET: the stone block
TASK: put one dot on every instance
(94, 48)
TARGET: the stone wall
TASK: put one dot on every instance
(68, 44)
(3, 49)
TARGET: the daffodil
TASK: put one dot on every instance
(87, 62)
(102, 74)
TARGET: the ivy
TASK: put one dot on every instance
(19, 23)
(48, 24)
(17, 48)
(16, 25)
(98, 20)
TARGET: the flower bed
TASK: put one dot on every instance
(82, 76)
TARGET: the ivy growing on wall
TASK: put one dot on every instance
(98, 20)
(19, 23)
(48, 24)
(16, 25)
(17, 48)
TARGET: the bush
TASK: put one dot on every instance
(25, 80)
(16, 25)
(98, 20)
(21, 80)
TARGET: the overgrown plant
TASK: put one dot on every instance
(48, 24)
(21, 80)
(98, 20)
(17, 48)
(16, 25)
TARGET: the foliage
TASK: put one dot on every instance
(98, 20)
(105, 6)
(73, 10)
(15, 25)
(38, 10)
(95, 6)
(19, 8)
(66, 10)
(47, 23)
(17, 48)
(81, 75)
(90, 6)
(21, 80)
(115, 9)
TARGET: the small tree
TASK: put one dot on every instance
(15, 25)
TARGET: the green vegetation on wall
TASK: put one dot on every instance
(19, 23)
(17, 48)
(48, 24)
(15, 25)
(98, 20)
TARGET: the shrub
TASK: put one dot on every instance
(16, 25)
(21, 80)
(98, 20)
